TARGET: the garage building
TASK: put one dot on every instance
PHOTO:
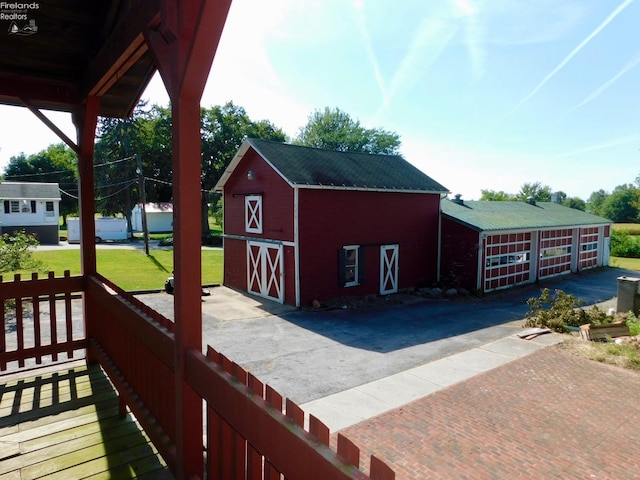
(487, 246)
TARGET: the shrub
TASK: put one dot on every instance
(16, 253)
(624, 245)
(560, 310)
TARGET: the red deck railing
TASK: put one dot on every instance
(248, 435)
(42, 325)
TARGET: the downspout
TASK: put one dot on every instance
(481, 263)
(296, 243)
(439, 240)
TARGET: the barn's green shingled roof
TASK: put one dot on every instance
(491, 216)
(314, 167)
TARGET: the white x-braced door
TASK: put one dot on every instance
(265, 270)
(388, 269)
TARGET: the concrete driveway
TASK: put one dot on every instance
(306, 355)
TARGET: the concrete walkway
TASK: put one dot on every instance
(352, 406)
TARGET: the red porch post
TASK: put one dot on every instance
(85, 120)
(183, 45)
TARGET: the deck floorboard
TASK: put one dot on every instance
(61, 422)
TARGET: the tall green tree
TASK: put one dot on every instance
(224, 127)
(575, 202)
(623, 205)
(535, 190)
(56, 164)
(126, 145)
(595, 201)
(334, 129)
(493, 196)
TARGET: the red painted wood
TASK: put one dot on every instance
(86, 119)
(53, 317)
(277, 200)
(380, 470)
(319, 430)
(286, 447)
(348, 451)
(37, 333)
(295, 413)
(331, 219)
(254, 459)
(3, 341)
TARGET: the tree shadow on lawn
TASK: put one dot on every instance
(400, 326)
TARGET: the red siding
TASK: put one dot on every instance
(459, 253)
(277, 200)
(331, 219)
(235, 263)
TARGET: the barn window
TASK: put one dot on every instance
(253, 213)
(351, 266)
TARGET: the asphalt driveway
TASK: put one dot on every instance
(307, 355)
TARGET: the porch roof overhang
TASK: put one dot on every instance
(60, 53)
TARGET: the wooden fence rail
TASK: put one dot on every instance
(38, 326)
(251, 432)
(137, 351)
(249, 436)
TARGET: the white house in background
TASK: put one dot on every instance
(32, 207)
(159, 217)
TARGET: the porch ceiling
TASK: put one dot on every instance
(79, 48)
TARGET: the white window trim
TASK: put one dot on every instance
(356, 249)
(253, 215)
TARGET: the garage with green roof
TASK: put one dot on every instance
(487, 246)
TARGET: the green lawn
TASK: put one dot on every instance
(626, 263)
(130, 269)
(632, 228)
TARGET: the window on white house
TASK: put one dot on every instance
(49, 210)
(253, 213)
(15, 206)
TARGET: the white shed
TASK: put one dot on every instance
(159, 217)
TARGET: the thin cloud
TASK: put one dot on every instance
(371, 56)
(574, 52)
(474, 34)
(601, 146)
(428, 43)
(598, 91)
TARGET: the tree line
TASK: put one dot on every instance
(622, 205)
(135, 153)
(140, 146)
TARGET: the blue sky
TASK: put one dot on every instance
(485, 94)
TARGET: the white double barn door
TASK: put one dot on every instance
(265, 270)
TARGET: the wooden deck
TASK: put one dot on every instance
(62, 422)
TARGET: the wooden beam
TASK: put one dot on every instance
(52, 126)
(15, 89)
(124, 45)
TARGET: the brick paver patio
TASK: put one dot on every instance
(549, 415)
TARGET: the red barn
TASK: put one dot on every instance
(304, 224)
(493, 245)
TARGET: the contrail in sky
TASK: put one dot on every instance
(593, 95)
(566, 60)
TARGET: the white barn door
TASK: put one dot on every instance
(388, 269)
(265, 274)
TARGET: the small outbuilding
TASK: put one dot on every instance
(493, 245)
(304, 224)
(159, 217)
(33, 208)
